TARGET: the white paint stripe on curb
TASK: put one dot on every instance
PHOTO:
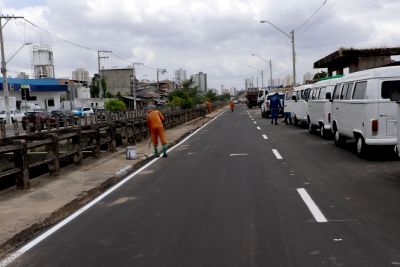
(276, 153)
(74, 215)
(315, 211)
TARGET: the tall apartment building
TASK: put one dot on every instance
(180, 76)
(80, 75)
(200, 80)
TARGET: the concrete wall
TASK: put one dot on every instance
(118, 80)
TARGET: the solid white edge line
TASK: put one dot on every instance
(59, 225)
(276, 153)
(265, 136)
(315, 211)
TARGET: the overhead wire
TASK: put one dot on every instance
(61, 38)
(313, 14)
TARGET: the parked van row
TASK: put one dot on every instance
(353, 107)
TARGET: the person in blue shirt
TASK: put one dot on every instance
(275, 104)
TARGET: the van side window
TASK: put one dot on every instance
(336, 93)
(344, 91)
(359, 90)
(306, 94)
(322, 93)
(388, 87)
(348, 93)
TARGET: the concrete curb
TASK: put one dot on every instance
(31, 232)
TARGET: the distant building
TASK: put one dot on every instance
(233, 91)
(200, 80)
(225, 91)
(288, 80)
(44, 92)
(81, 75)
(180, 76)
(119, 81)
(22, 75)
(247, 83)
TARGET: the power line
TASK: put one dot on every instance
(315, 12)
(60, 38)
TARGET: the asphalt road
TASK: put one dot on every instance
(237, 195)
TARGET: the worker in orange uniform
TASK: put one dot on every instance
(209, 107)
(155, 124)
(232, 105)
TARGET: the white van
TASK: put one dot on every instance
(297, 105)
(362, 110)
(262, 93)
(395, 96)
(319, 106)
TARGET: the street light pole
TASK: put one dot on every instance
(270, 66)
(291, 37)
(4, 69)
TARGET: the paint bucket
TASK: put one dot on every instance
(130, 152)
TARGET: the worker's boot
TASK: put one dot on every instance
(164, 150)
(156, 152)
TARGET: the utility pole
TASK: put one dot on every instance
(270, 66)
(101, 54)
(162, 71)
(294, 59)
(4, 67)
(134, 83)
(291, 37)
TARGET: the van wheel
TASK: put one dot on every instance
(396, 151)
(362, 148)
(324, 133)
(338, 139)
(296, 121)
(311, 128)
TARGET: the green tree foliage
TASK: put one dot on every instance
(211, 96)
(115, 105)
(320, 75)
(94, 87)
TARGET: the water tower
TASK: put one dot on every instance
(42, 61)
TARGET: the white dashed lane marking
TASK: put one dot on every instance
(315, 211)
(276, 153)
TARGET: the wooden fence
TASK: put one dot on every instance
(47, 147)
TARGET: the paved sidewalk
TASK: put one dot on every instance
(50, 199)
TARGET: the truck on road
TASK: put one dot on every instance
(252, 95)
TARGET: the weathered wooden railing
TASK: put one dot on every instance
(46, 148)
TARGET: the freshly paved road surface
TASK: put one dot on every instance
(223, 198)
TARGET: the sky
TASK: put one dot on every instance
(217, 37)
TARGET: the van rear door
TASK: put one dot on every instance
(387, 108)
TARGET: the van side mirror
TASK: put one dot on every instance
(395, 95)
(328, 95)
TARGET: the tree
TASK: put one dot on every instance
(94, 87)
(320, 75)
(115, 105)
(211, 96)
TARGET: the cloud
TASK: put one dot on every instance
(216, 37)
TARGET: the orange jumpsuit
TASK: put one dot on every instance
(209, 106)
(232, 105)
(154, 122)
